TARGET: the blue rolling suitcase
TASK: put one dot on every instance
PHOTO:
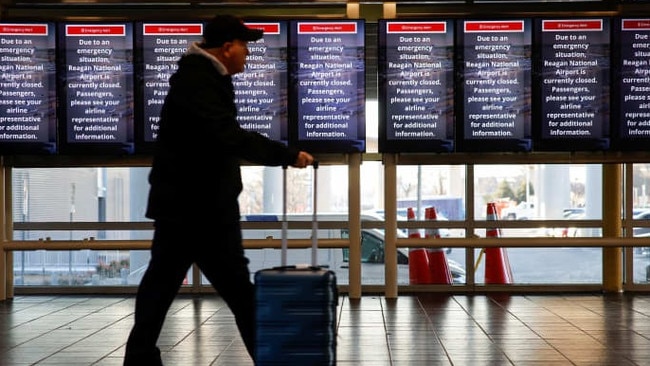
(296, 308)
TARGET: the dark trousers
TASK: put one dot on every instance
(217, 250)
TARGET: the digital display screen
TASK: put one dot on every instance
(416, 85)
(574, 77)
(579, 83)
(28, 88)
(261, 90)
(633, 86)
(494, 97)
(96, 85)
(159, 45)
(327, 82)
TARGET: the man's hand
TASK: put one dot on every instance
(303, 160)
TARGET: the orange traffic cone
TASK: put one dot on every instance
(438, 265)
(497, 265)
(430, 214)
(419, 272)
(410, 216)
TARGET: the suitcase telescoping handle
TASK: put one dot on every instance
(314, 220)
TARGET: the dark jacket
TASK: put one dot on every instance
(196, 165)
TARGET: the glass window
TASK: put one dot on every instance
(569, 192)
(69, 195)
(534, 192)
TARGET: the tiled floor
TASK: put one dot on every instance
(417, 330)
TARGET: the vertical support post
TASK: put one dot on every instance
(354, 217)
(612, 204)
(3, 274)
(352, 10)
(628, 228)
(390, 231)
(6, 260)
(470, 271)
(390, 10)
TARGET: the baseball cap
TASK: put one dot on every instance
(227, 28)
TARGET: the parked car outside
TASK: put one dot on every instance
(372, 251)
(573, 213)
(403, 216)
(522, 211)
(372, 241)
(642, 231)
